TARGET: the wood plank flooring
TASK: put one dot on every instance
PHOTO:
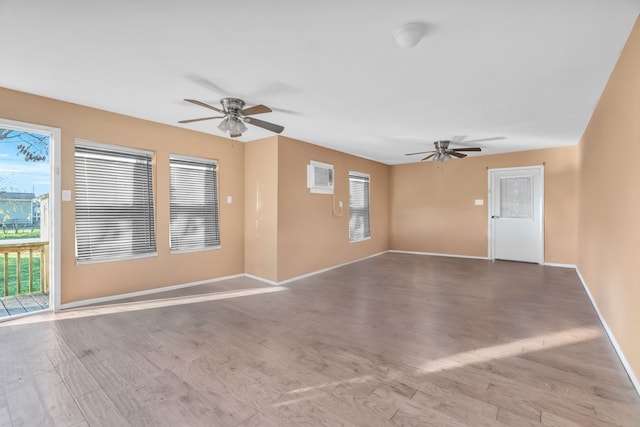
(395, 340)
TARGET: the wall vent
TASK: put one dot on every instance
(320, 177)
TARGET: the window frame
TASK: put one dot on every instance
(367, 177)
(216, 194)
(115, 151)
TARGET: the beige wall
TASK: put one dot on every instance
(609, 219)
(309, 236)
(261, 209)
(286, 231)
(290, 231)
(432, 204)
(105, 279)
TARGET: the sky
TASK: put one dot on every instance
(18, 175)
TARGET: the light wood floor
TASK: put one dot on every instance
(393, 340)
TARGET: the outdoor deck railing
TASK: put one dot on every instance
(12, 263)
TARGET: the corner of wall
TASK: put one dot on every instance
(261, 208)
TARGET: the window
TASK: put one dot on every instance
(516, 197)
(359, 228)
(114, 203)
(194, 204)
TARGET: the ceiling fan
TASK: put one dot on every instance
(235, 116)
(442, 152)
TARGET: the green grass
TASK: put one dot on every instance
(23, 233)
(24, 273)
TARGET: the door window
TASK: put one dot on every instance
(516, 197)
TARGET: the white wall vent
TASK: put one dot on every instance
(320, 177)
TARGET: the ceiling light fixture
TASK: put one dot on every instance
(232, 125)
(442, 157)
(409, 34)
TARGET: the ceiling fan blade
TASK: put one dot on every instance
(206, 83)
(458, 138)
(420, 152)
(270, 89)
(202, 104)
(458, 155)
(428, 157)
(257, 109)
(235, 135)
(467, 149)
(265, 125)
(495, 138)
(203, 118)
(284, 110)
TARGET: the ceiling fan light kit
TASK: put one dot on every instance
(232, 125)
(235, 116)
(442, 157)
(442, 152)
(408, 35)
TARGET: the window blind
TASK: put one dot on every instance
(114, 203)
(194, 222)
(359, 227)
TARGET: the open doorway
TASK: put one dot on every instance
(28, 218)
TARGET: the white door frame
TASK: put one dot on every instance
(490, 206)
(54, 197)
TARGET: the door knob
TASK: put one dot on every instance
(494, 216)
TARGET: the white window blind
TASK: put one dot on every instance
(114, 203)
(359, 228)
(194, 204)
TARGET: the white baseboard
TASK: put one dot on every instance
(261, 279)
(101, 300)
(438, 254)
(556, 264)
(612, 338)
(313, 273)
(549, 264)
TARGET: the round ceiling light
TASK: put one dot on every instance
(409, 34)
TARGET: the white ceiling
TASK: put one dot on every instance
(529, 71)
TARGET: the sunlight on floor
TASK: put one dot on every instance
(514, 348)
(313, 392)
(139, 305)
(486, 354)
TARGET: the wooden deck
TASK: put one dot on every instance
(19, 304)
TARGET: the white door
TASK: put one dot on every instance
(516, 231)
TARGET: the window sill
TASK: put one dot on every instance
(115, 259)
(188, 251)
(360, 240)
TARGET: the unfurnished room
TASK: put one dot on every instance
(285, 213)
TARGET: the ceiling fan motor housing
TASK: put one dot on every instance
(442, 145)
(232, 105)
